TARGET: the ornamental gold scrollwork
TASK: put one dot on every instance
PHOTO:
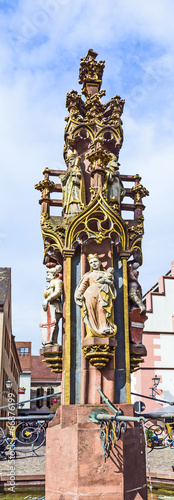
(136, 230)
(97, 154)
(131, 231)
(99, 355)
(137, 353)
(73, 103)
(93, 191)
(116, 230)
(44, 219)
(138, 192)
(93, 227)
(94, 107)
(45, 186)
(140, 225)
(52, 229)
(116, 105)
(90, 70)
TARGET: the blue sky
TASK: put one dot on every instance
(41, 45)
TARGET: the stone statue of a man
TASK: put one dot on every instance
(114, 187)
(52, 307)
(135, 293)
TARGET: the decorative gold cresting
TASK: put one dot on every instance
(99, 354)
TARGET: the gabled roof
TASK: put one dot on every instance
(5, 278)
(155, 288)
(41, 372)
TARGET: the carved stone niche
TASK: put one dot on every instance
(98, 350)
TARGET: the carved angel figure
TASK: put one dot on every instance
(52, 307)
(95, 295)
(73, 186)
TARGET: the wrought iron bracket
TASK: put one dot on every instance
(111, 426)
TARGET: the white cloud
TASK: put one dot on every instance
(39, 64)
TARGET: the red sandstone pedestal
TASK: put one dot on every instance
(75, 464)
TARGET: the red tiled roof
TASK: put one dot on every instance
(40, 370)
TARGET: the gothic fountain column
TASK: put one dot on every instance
(100, 298)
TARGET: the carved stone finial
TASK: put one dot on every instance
(91, 72)
(45, 186)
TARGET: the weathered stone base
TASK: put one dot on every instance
(75, 464)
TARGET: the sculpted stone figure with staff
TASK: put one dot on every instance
(73, 186)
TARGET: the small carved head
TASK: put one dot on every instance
(110, 272)
(53, 272)
(71, 157)
(94, 261)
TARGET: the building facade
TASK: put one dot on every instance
(158, 336)
(24, 353)
(38, 381)
(9, 360)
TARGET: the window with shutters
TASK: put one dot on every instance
(50, 390)
(39, 394)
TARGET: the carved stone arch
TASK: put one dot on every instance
(79, 138)
(98, 221)
(75, 132)
(54, 238)
(78, 131)
(136, 247)
(51, 254)
(115, 132)
(112, 137)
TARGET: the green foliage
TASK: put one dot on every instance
(149, 434)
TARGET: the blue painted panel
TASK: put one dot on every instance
(75, 331)
(120, 372)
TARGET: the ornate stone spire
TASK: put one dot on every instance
(90, 73)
